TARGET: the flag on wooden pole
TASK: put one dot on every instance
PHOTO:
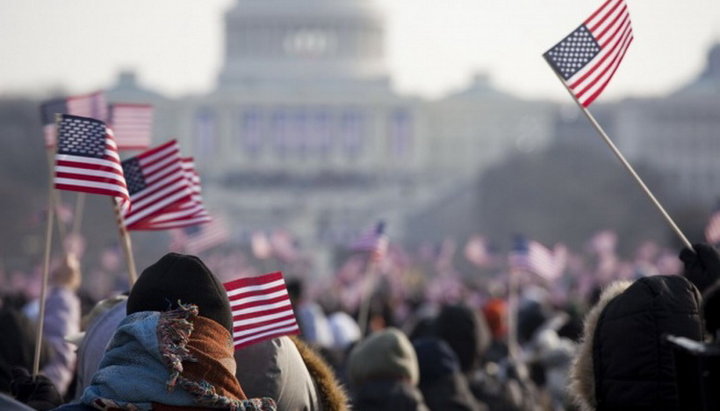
(155, 182)
(373, 241)
(587, 58)
(536, 258)
(87, 159)
(261, 309)
(188, 212)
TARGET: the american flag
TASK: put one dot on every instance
(196, 239)
(535, 257)
(374, 241)
(155, 182)
(712, 231)
(87, 159)
(589, 56)
(88, 105)
(132, 124)
(261, 309)
(186, 213)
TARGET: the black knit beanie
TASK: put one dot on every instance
(184, 278)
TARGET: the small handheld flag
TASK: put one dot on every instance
(261, 309)
(587, 58)
(155, 182)
(374, 241)
(87, 158)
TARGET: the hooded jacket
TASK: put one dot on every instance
(383, 368)
(291, 373)
(623, 362)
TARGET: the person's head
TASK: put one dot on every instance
(178, 278)
(465, 331)
(384, 355)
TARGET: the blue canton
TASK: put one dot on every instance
(572, 53)
(133, 175)
(81, 137)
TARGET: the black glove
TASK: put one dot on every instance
(39, 393)
(702, 266)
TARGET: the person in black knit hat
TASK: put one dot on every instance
(181, 278)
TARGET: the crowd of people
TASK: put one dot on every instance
(607, 335)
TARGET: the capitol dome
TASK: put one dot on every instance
(317, 42)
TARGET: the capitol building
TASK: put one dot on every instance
(304, 132)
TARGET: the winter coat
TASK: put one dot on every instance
(288, 371)
(94, 342)
(62, 318)
(623, 362)
(166, 360)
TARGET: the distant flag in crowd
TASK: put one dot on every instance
(155, 182)
(87, 159)
(712, 231)
(588, 57)
(199, 238)
(373, 241)
(261, 309)
(132, 124)
(88, 105)
(535, 257)
(185, 213)
(477, 251)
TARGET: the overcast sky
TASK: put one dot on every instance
(433, 47)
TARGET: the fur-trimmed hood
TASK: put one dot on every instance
(623, 361)
(582, 378)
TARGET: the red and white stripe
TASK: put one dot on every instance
(165, 183)
(91, 105)
(132, 124)
(210, 235)
(611, 28)
(93, 175)
(261, 309)
(186, 213)
(539, 260)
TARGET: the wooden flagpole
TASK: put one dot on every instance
(125, 240)
(46, 266)
(366, 296)
(627, 165)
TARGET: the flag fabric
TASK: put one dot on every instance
(712, 231)
(155, 182)
(185, 213)
(588, 57)
(132, 124)
(261, 309)
(87, 159)
(197, 239)
(373, 241)
(535, 257)
(88, 105)
(283, 245)
(477, 251)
